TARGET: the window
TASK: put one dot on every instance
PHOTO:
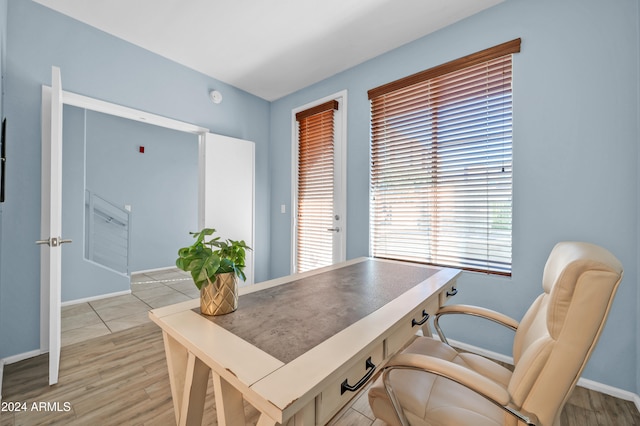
(315, 197)
(441, 164)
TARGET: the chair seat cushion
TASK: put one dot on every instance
(442, 401)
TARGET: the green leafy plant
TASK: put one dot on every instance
(205, 259)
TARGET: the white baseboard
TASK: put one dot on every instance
(19, 357)
(610, 390)
(144, 271)
(91, 299)
(15, 358)
(585, 383)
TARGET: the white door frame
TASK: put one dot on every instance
(340, 175)
(50, 287)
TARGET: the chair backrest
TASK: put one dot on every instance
(560, 330)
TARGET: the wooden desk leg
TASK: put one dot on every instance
(177, 363)
(195, 392)
(229, 403)
(188, 377)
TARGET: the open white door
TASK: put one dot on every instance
(51, 222)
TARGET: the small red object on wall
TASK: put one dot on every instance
(141, 149)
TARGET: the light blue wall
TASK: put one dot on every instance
(81, 279)
(575, 155)
(160, 185)
(100, 66)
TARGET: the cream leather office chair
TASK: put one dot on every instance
(552, 344)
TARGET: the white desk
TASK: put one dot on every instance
(298, 379)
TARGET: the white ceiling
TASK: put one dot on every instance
(269, 48)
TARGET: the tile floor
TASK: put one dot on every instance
(149, 290)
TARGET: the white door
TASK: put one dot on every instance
(227, 191)
(319, 187)
(51, 222)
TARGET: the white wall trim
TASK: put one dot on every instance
(12, 359)
(19, 357)
(610, 390)
(91, 299)
(585, 383)
(81, 101)
(146, 271)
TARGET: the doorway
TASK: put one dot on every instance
(129, 200)
(53, 101)
(319, 183)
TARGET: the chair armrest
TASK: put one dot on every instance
(478, 383)
(477, 311)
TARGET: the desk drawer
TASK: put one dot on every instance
(404, 331)
(338, 393)
(448, 292)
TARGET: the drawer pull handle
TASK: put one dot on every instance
(453, 292)
(425, 317)
(345, 386)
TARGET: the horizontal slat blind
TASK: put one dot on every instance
(315, 187)
(441, 170)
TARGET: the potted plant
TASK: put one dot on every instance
(215, 267)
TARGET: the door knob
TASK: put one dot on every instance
(53, 241)
(333, 229)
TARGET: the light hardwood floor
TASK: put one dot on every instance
(122, 379)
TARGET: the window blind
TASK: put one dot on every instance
(315, 187)
(441, 164)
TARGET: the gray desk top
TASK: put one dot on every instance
(287, 320)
